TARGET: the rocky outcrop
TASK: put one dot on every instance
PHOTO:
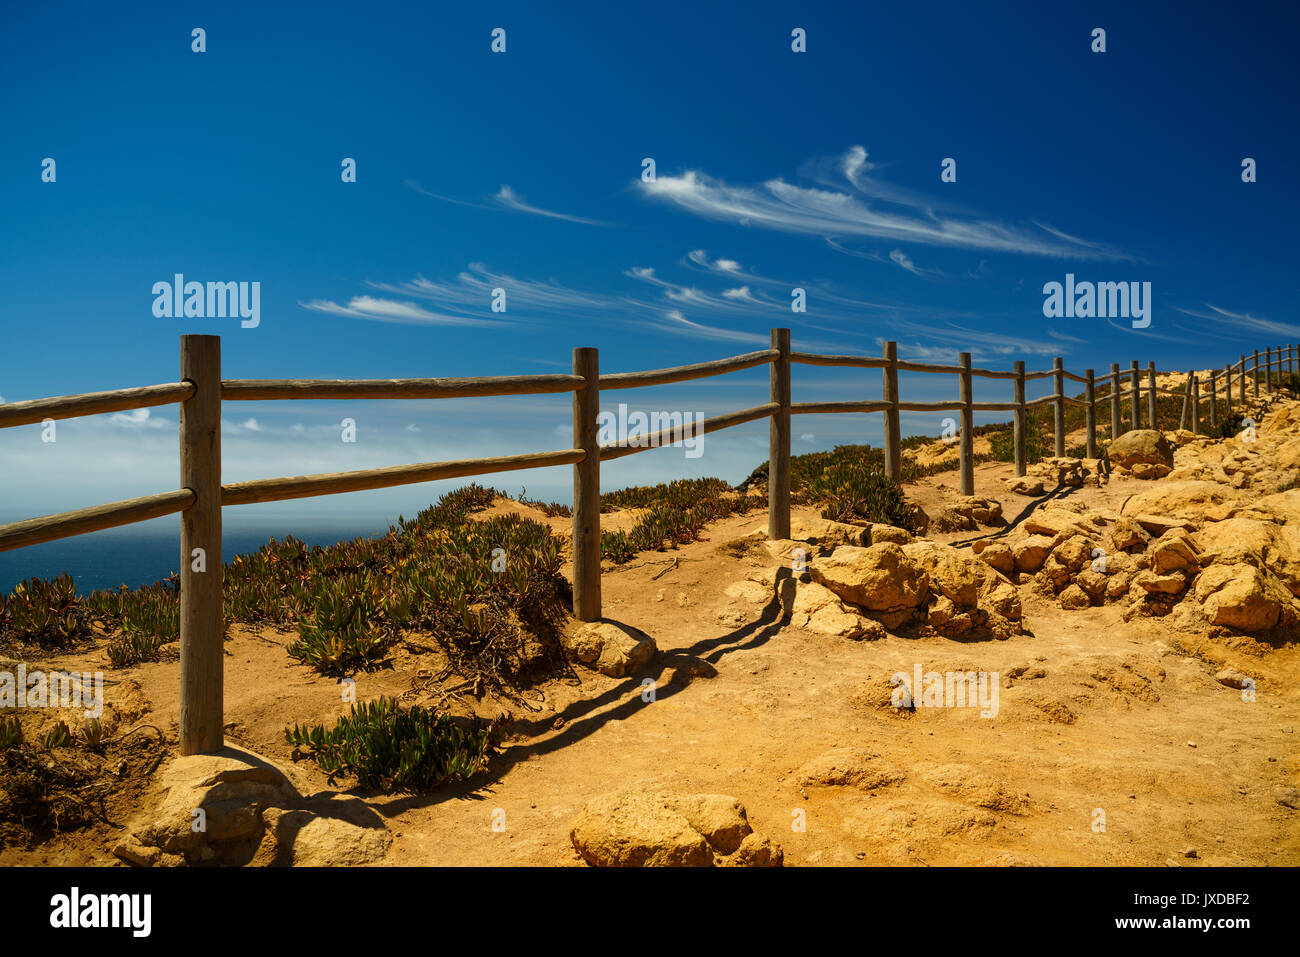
(848, 767)
(1144, 452)
(881, 580)
(611, 648)
(636, 828)
(235, 808)
(968, 515)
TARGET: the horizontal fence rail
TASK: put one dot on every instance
(201, 391)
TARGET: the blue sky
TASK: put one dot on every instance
(522, 170)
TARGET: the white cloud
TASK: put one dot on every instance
(391, 310)
(853, 210)
(509, 199)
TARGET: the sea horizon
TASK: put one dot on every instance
(137, 555)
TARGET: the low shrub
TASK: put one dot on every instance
(389, 748)
(44, 614)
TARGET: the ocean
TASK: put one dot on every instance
(141, 554)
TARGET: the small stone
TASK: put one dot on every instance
(1190, 852)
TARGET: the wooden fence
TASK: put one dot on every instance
(201, 390)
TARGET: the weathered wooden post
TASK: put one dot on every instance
(1187, 399)
(967, 450)
(778, 439)
(586, 487)
(1135, 375)
(1116, 424)
(1241, 378)
(1256, 376)
(893, 430)
(1153, 405)
(202, 621)
(1091, 413)
(1227, 387)
(1018, 436)
(1268, 368)
(1214, 400)
(1196, 404)
(1058, 405)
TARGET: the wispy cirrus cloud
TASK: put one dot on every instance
(392, 310)
(506, 198)
(1242, 321)
(858, 208)
(509, 199)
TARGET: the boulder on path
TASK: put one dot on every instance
(880, 578)
(1141, 447)
(1240, 596)
(635, 828)
(235, 807)
(819, 609)
(1170, 502)
(611, 648)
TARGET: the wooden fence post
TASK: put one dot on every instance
(1091, 413)
(1187, 400)
(1227, 387)
(893, 430)
(778, 439)
(1196, 404)
(1116, 423)
(1019, 433)
(967, 450)
(1214, 400)
(1058, 423)
(1256, 373)
(586, 488)
(1268, 368)
(202, 617)
(1241, 379)
(1153, 404)
(1135, 375)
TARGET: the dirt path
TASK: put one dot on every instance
(1095, 715)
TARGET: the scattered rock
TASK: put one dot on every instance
(611, 648)
(880, 578)
(1141, 446)
(635, 828)
(251, 814)
(848, 767)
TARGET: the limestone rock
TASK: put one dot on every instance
(250, 814)
(999, 557)
(819, 609)
(1176, 500)
(1031, 552)
(1239, 596)
(848, 767)
(880, 578)
(612, 649)
(1141, 446)
(636, 828)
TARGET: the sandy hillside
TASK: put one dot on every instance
(1110, 707)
